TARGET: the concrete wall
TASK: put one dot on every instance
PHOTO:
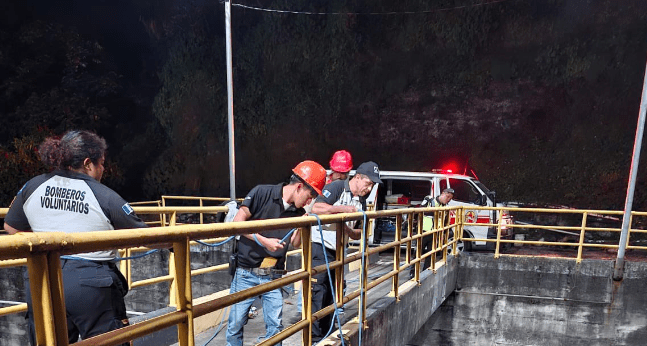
(540, 301)
(392, 322)
(13, 329)
(505, 301)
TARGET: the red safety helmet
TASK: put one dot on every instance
(341, 161)
(312, 173)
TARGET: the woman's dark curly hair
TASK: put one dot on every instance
(72, 149)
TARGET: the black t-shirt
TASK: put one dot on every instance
(265, 202)
(336, 193)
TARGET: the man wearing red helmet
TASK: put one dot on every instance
(340, 164)
(261, 256)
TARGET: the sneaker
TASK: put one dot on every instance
(253, 312)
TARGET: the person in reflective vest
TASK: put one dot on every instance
(427, 242)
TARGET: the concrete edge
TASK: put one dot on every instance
(389, 323)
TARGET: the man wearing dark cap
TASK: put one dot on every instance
(340, 196)
(440, 201)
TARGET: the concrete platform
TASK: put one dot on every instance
(255, 327)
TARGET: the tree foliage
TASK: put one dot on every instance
(53, 79)
(539, 97)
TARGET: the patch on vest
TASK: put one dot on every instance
(127, 209)
(326, 193)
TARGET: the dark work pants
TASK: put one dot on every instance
(321, 292)
(94, 299)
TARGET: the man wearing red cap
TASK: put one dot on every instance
(261, 256)
(340, 164)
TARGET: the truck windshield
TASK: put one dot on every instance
(482, 187)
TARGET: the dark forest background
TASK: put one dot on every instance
(540, 98)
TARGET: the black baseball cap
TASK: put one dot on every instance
(371, 170)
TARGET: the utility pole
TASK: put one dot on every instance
(626, 218)
(230, 104)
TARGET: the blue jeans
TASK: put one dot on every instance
(272, 307)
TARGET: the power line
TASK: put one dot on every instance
(366, 13)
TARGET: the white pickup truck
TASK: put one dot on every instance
(408, 189)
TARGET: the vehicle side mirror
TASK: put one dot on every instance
(483, 200)
(493, 196)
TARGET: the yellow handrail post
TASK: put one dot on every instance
(581, 244)
(363, 283)
(418, 264)
(371, 222)
(398, 230)
(306, 285)
(498, 235)
(434, 243)
(201, 214)
(171, 222)
(164, 214)
(458, 230)
(445, 243)
(162, 223)
(340, 254)
(396, 260)
(184, 297)
(42, 309)
(172, 299)
(171, 269)
(58, 297)
(124, 266)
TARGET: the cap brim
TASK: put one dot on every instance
(376, 180)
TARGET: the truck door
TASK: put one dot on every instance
(468, 195)
(400, 192)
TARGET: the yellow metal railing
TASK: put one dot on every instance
(580, 230)
(171, 212)
(166, 200)
(157, 203)
(41, 253)
(125, 266)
